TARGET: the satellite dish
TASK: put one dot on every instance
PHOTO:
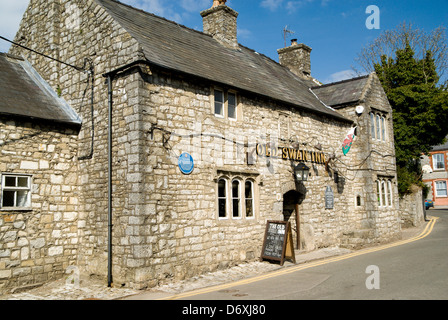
(359, 110)
(427, 169)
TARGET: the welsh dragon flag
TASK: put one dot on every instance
(348, 141)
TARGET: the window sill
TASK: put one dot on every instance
(10, 209)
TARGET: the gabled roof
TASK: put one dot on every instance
(343, 92)
(178, 48)
(24, 93)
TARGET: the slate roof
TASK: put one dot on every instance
(178, 48)
(24, 93)
(343, 92)
(442, 146)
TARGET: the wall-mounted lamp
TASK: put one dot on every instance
(301, 172)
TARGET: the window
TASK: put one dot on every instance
(236, 198)
(378, 125)
(372, 125)
(219, 103)
(438, 161)
(16, 191)
(225, 104)
(358, 200)
(384, 192)
(378, 134)
(249, 197)
(441, 189)
(231, 101)
(222, 198)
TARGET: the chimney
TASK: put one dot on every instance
(297, 58)
(220, 22)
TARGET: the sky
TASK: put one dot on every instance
(336, 30)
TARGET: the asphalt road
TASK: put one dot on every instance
(412, 270)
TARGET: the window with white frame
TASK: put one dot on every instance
(384, 192)
(16, 191)
(249, 198)
(438, 161)
(222, 198)
(219, 103)
(441, 190)
(225, 104)
(236, 198)
(236, 203)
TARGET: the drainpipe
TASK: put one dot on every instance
(109, 230)
(110, 76)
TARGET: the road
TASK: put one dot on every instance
(411, 270)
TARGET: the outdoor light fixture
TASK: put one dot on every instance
(301, 172)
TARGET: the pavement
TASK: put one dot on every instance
(96, 289)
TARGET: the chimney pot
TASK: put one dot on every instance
(294, 42)
(218, 3)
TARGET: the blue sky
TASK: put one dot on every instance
(335, 30)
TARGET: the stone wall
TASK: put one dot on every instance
(38, 245)
(412, 209)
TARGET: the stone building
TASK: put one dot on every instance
(39, 200)
(188, 146)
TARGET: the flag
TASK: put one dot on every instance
(348, 141)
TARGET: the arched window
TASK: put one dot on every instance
(390, 193)
(383, 128)
(372, 125)
(249, 198)
(222, 198)
(378, 128)
(236, 203)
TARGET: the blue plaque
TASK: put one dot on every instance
(186, 163)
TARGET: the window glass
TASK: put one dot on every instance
(372, 125)
(235, 198)
(389, 184)
(248, 193)
(378, 132)
(378, 190)
(219, 103)
(222, 198)
(383, 129)
(8, 198)
(231, 101)
(441, 189)
(438, 161)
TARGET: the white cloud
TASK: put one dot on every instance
(11, 14)
(271, 4)
(341, 75)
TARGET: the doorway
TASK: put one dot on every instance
(291, 201)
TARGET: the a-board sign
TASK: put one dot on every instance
(277, 243)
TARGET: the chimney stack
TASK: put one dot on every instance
(220, 22)
(297, 58)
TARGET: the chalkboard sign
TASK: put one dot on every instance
(278, 242)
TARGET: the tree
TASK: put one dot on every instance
(420, 109)
(390, 41)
